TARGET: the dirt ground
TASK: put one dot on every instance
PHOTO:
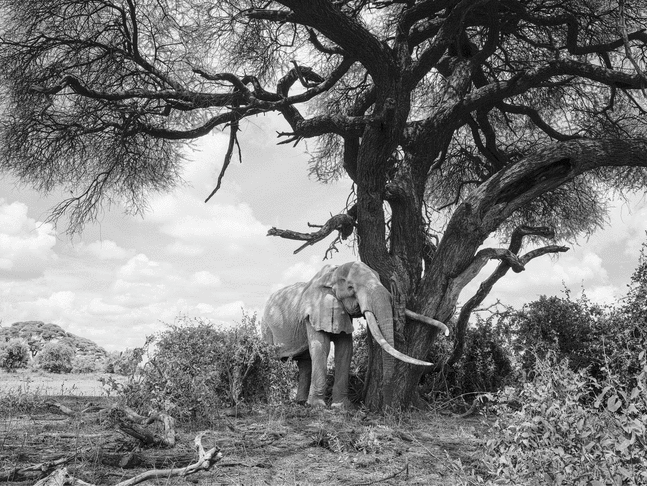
(288, 445)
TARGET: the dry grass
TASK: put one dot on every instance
(286, 445)
(44, 383)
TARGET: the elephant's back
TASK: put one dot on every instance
(281, 324)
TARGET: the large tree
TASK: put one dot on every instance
(455, 120)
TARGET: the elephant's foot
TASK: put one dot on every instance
(315, 402)
(342, 405)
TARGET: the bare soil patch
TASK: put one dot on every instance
(269, 445)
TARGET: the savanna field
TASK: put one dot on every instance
(549, 394)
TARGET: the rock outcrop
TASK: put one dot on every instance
(36, 334)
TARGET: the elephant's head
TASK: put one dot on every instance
(358, 292)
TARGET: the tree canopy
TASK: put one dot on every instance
(455, 119)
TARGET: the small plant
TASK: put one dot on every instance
(56, 357)
(14, 354)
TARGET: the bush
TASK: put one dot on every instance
(124, 362)
(485, 365)
(197, 368)
(561, 435)
(86, 364)
(56, 357)
(571, 329)
(14, 354)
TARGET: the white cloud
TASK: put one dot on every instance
(106, 250)
(184, 249)
(303, 271)
(214, 221)
(98, 307)
(139, 266)
(603, 294)
(205, 279)
(229, 311)
(26, 245)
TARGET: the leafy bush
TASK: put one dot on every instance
(485, 365)
(86, 364)
(569, 328)
(14, 354)
(56, 357)
(563, 436)
(124, 362)
(197, 368)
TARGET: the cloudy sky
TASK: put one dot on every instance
(126, 276)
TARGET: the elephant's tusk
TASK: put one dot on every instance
(426, 320)
(379, 337)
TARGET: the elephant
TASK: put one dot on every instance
(304, 318)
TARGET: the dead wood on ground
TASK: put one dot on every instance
(206, 459)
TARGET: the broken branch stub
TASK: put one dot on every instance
(344, 223)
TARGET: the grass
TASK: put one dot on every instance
(269, 445)
(45, 383)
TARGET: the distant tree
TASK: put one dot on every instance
(56, 357)
(14, 354)
(455, 120)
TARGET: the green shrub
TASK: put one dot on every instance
(14, 354)
(197, 368)
(56, 357)
(561, 435)
(123, 362)
(485, 365)
(572, 329)
(86, 364)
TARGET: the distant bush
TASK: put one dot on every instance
(86, 364)
(197, 368)
(565, 434)
(56, 357)
(14, 354)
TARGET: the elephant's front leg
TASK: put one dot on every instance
(343, 354)
(319, 345)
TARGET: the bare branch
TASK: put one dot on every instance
(486, 286)
(344, 223)
(233, 142)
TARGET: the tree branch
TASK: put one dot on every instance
(486, 286)
(344, 223)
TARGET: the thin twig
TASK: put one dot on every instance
(404, 468)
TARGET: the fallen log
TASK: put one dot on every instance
(206, 460)
(128, 421)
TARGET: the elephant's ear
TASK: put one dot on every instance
(323, 309)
